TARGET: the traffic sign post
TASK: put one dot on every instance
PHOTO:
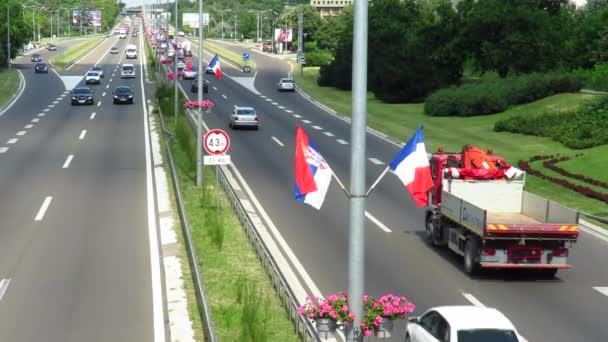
(216, 142)
(245, 56)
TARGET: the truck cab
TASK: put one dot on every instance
(131, 51)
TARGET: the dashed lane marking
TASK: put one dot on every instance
(278, 141)
(12, 141)
(329, 134)
(82, 134)
(107, 86)
(376, 161)
(224, 96)
(28, 126)
(43, 208)
(3, 286)
(342, 142)
(103, 94)
(68, 161)
(35, 120)
(377, 222)
(275, 104)
(281, 107)
(269, 100)
(602, 290)
(3, 149)
(51, 106)
(99, 104)
(21, 133)
(289, 111)
(41, 114)
(306, 121)
(46, 110)
(93, 115)
(262, 96)
(56, 102)
(317, 127)
(214, 88)
(473, 300)
(297, 116)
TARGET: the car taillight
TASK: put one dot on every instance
(236, 118)
(560, 252)
(257, 118)
(489, 251)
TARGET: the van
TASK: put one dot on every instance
(131, 51)
(127, 71)
(122, 34)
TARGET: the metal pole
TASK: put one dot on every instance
(199, 126)
(80, 19)
(51, 37)
(8, 35)
(235, 32)
(34, 22)
(356, 264)
(176, 94)
(222, 24)
(301, 40)
(69, 24)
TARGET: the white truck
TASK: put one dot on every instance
(131, 51)
(122, 34)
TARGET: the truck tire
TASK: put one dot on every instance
(471, 256)
(431, 231)
(548, 273)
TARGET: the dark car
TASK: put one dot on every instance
(36, 57)
(51, 47)
(41, 68)
(194, 87)
(123, 94)
(82, 95)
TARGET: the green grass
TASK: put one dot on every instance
(230, 56)
(62, 60)
(232, 274)
(151, 61)
(401, 120)
(9, 83)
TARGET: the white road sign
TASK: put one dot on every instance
(223, 159)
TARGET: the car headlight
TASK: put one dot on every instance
(90, 97)
(73, 97)
(115, 96)
(130, 96)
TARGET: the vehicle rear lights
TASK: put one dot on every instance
(560, 252)
(235, 117)
(489, 251)
(257, 119)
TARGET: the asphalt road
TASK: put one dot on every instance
(567, 308)
(74, 226)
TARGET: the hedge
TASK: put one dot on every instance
(596, 78)
(496, 96)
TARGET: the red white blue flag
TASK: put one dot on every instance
(215, 66)
(312, 173)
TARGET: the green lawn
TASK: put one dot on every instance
(233, 57)
(401, 120)
(232, 274)
(63, 59)
(9, 84)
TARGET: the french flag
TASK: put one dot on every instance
(412, 167)
(215, 66)
(312, 173)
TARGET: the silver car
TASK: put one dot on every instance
(286, 84)
(244, 117)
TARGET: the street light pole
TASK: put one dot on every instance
(176, 94)
(301, 40)
(199, 120)
(8, 35)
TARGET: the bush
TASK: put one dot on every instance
(596, 78)
(497, 95)
(318, 57)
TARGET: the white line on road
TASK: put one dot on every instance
(3, 286)
(28, 126)
(113, 74)
(224, 96)
(3, 149)
(297, 116)
(269, 100)
(46, 110)
(342, 142)
(99, 104)
(306, 121)
(68, 161)
(20, 133)
(66, 92)
(317, 127)
(55, 102)
(41, 114)
(59, 98)
(281, 107)
(289, 111)
(51, 106)
(377, 222)
(473, 300)
(35, 120)
(62, 96)
(262, 96)
(278, 141)
(376, 161)
(329, 134)
(82, 134)
(43, 208)
(275, 104)
(107, 86)
(12, 141)
(110, 80)
(602, 290)
(93, 115)
(214, 88)
(103, 94)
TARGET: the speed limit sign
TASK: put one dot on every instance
(216, 142)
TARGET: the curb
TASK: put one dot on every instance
(593, 227)
(15, 96)
(593, 92)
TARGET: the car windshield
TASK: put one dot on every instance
(35, 55)
(82, 91)
(123, 90)
(483, 335)
(115, 48)
(127, 68)
(92, 74)
(96, 68)
(287, 81)
(40, 65)
(245, 112)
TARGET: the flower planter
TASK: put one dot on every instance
(326, 327)
(385, 328)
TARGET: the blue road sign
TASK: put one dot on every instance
(245, 56)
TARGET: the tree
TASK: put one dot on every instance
(19, 30)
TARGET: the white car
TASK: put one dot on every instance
(181, 33)
(286, 84)
(127, 71)
(461, 324)
(92, 77)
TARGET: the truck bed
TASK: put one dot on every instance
(509, 218)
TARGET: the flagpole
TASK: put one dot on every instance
(340, 183)
(377, 181)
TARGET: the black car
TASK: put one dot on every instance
(36, 57)
(194, 87)
(82, 95)
(123, 94)
(41, 68)
(51, 47)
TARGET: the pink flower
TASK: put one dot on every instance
(333, 314)
(365, 297)
(363, 325)
(367, 332)
(301, 310)
(311, 315)
(351, 315)
(344, 308)
(333, 297)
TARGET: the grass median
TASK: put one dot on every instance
(62, 60)
(244, 306)
(401, 120)
(9, 84)
(228, 55)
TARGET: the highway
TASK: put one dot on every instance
(76, 261)
(570, 307)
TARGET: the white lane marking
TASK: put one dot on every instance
(56, 102)
(59, 98)
(93, 115)
(51, 106)
(224, 96)
(306, 121)
(41, 114)
(43, 208)
(62, 96)
(274, 103)
(377, 222)
(376, 161)
(35, 120)
(16, 97)
(297, 116)
(99, 104)
(12, 141)
(602, 290)
(269, 100)
(281, 107)
(21, 133)
(473, 300)
(82, 134)
(278, 141)
(3, 149)
(113, 75)
(110, 80)
(68, 161)
(262, 96)
(66, 92)
(342, 142)
(46, 110)
(317, 127)
(28, 126)
(289, 111)
(104, 94)
(3, 286)
(329, 134)
(214, 88)
(107, 86)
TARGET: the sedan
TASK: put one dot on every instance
(286, 84)
(194, 87)
(36, 57)
(51, 47)
(208, 70)
(244, 117)
(41, 68)
(82, 95)
(114, 50)
(461, 324)
(92, 77)
(98, 70)
(123, 94)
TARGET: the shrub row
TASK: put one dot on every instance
(551, 165)
(524, 165)
(596, 78)
(496, 96)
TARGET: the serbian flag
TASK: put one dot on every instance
(215, 66)
(412, 167)
(312, 173)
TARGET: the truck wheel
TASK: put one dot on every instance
(471, 257)
(548, 273)
(431, 231)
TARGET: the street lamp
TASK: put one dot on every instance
(225, 10)
(258, 21)
(33, 20)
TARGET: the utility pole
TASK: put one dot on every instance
(69, 24)
(80, 19)
(235, 31)
(175, 36)
(356, 257)
(199, 119)
(8, 35)
(301, 40)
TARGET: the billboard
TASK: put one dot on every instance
(191, 19)
(283, 35)
(76, 17)
(94, 18)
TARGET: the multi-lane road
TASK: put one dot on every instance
(76, 259)
(571, 307)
